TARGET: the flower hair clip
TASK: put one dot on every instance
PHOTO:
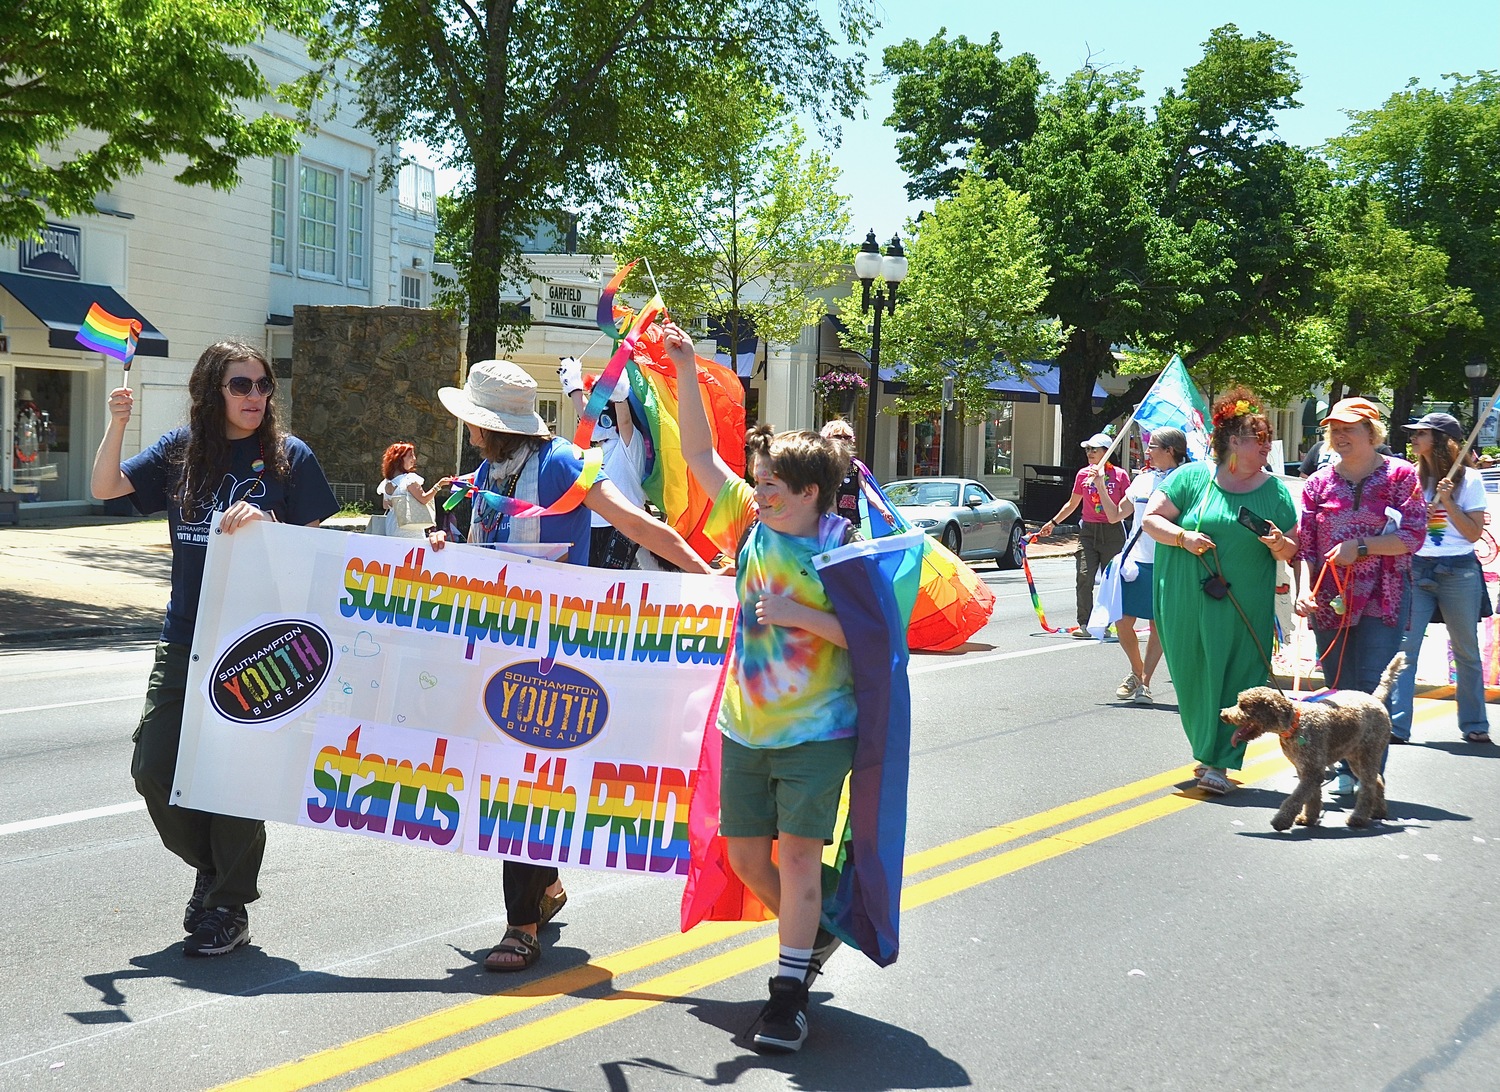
(1240, 407)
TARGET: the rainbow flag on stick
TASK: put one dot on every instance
(104, 333)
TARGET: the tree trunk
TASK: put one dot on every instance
(1080, 363)
(484, 265)
(1402, 400)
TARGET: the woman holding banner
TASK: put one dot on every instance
(525, 462)
(232, 458)
(1215, 584)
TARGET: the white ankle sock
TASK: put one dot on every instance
(794, 962)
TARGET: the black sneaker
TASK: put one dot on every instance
(823, 946)
(783, 1022)
(192, 917)
(223, 929)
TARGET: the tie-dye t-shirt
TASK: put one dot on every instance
(786, 685)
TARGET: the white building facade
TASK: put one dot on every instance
(196, 266)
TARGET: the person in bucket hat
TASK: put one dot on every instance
(522, 459)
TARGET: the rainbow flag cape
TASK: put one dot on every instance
(493, 504)
(873, 586)
(104, 333)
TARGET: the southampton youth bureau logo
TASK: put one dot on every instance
(271, 671)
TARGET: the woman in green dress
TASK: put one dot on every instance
(1211, 650)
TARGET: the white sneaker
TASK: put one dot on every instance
(1081, 634)
(1344, 785)
(1126, 690)
(1142, 695)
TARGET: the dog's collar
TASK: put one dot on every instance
(1296, 726)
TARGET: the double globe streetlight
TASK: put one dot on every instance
(890, 267)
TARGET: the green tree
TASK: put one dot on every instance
(550, 109)
(1432, 156)
(1180, 231)
(752, 232)
(92, 90)
(938, 84)
(969, 305)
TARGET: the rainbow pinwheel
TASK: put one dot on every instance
(953, 603)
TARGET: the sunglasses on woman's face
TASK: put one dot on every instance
(1260, 436)
(241, 386)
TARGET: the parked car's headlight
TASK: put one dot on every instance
(925, 524)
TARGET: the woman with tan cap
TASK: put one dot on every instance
(1099, 487)
(522, 459)
(1363, 517)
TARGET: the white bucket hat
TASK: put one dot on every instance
(498, 396)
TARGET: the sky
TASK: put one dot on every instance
(1350, 56)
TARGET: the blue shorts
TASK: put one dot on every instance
(1135, 595)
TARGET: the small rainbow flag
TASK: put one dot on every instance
(103, 333)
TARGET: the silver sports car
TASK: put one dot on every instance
(964, 516)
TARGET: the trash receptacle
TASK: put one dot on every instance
(1044, 491)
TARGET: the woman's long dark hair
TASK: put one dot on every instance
(1431, 468)
(205, 456)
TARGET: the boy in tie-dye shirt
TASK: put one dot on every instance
(788, 714)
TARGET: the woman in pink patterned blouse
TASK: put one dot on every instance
(1363, 516)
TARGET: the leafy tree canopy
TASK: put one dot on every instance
(554, 106)
(751, 231)
(1433, 157)
(1180, 230)
(968, 309)
(92, 90)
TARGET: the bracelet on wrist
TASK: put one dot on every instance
(1180, 533)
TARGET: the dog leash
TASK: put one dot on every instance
(1229, 594)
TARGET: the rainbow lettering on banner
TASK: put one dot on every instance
(364, 791)
(638, 814)
(104, 333)
(407, 595)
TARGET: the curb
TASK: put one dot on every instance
(68, 633)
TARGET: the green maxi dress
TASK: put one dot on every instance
(1210, 652)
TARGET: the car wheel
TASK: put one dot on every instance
(1015, 554)
(951, 537)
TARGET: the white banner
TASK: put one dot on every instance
(467, 699)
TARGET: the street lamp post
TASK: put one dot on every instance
(1475, 371)
(891, 269)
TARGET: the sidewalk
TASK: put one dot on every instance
(86, 576)
(110, 576)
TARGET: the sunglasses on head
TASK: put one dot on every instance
(242, 386)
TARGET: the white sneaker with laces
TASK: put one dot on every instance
(1142, 695)
(1126, 690)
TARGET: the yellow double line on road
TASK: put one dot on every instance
(1264, 760)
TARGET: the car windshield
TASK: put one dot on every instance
(923, 492)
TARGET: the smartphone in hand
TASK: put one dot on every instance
(1260, 527)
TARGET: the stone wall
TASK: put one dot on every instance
(366, 377)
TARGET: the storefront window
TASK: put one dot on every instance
(46, 466)
(999, 440)
(917, 446)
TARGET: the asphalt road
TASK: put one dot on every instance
(1073, 919)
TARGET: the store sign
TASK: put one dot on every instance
(569, 304)
(57, 252)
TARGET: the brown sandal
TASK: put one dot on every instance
(550, 905)
(517, 944)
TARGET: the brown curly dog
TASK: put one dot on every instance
(1346, 724)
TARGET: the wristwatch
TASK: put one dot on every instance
(1364, 549)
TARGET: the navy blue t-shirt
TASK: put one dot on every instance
(305, 497)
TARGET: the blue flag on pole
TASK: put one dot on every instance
(1174, 402)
